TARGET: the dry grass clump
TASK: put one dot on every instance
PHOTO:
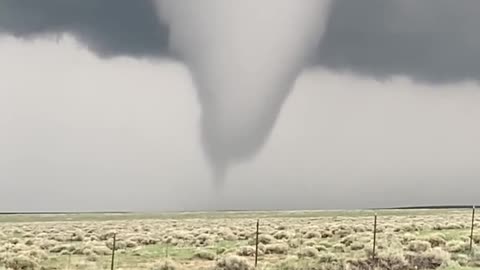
(5, 248)
(204, 255)
(350, 239)
(261, 248)
(475, 259)
(392, 260)
(343, 232)
(61, 248)
(406, 228)
(107, 235)
(281, 235)
(18, 231)
(327, 257)
(312, 234)
(476, 238)
(436, 239)
(407, 238)
(60, 237)
(357, 246)
(243, 235)
(19, 248)
(461, 259)
(278, 248)
(233, 262)
(309, 252)
(47, 244)
(118, 245)
(131, 244)
(14, 241)
(65, 252)
(147, 241)
(21, 262)
(419, 246)
(457, 246)
(221, 250)
(310, 243)
(227, 234)
(359, 228)
(294, 242)
(203, 240)
(430, 259)
(338, 248)
(101, 250)
(246, 251)
(448, 226)
(92, 258)
(326, 234)
(186, 235)
(321, 248)
(293, 263)
(325, 244)
(29, 242)
(265, 239)
(82, 250)
(37, 254)
(77, 236)
(166, 264)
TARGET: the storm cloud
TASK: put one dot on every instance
(431, 40)
(109, 28)
(357, 131)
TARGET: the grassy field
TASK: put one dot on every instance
(406, 239)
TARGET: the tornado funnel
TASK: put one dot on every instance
(244, 57)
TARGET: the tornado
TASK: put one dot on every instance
(244, 57)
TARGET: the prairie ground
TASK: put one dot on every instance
(406, 239)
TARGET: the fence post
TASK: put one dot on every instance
(256, 243)
(70, 253)
(374, 237)
(471, 229)
(113, 251)
(7, 251)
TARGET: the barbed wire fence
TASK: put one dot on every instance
(256, 235)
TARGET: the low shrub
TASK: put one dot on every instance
(233, 262)
(204, 255)
(309, 252)
(419, 246)
(279, 248)
(166, 264)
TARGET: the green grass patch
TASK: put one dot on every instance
(28, 218)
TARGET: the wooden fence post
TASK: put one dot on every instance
(113, 251)
(471, 229)
(374, 237)
(256, 243)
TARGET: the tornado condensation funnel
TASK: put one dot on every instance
(244, 56)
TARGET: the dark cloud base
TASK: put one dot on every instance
(107, 27)
(436, 41)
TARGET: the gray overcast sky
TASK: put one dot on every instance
(80, 133)
(80, 130)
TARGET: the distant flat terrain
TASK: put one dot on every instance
(405, 239)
